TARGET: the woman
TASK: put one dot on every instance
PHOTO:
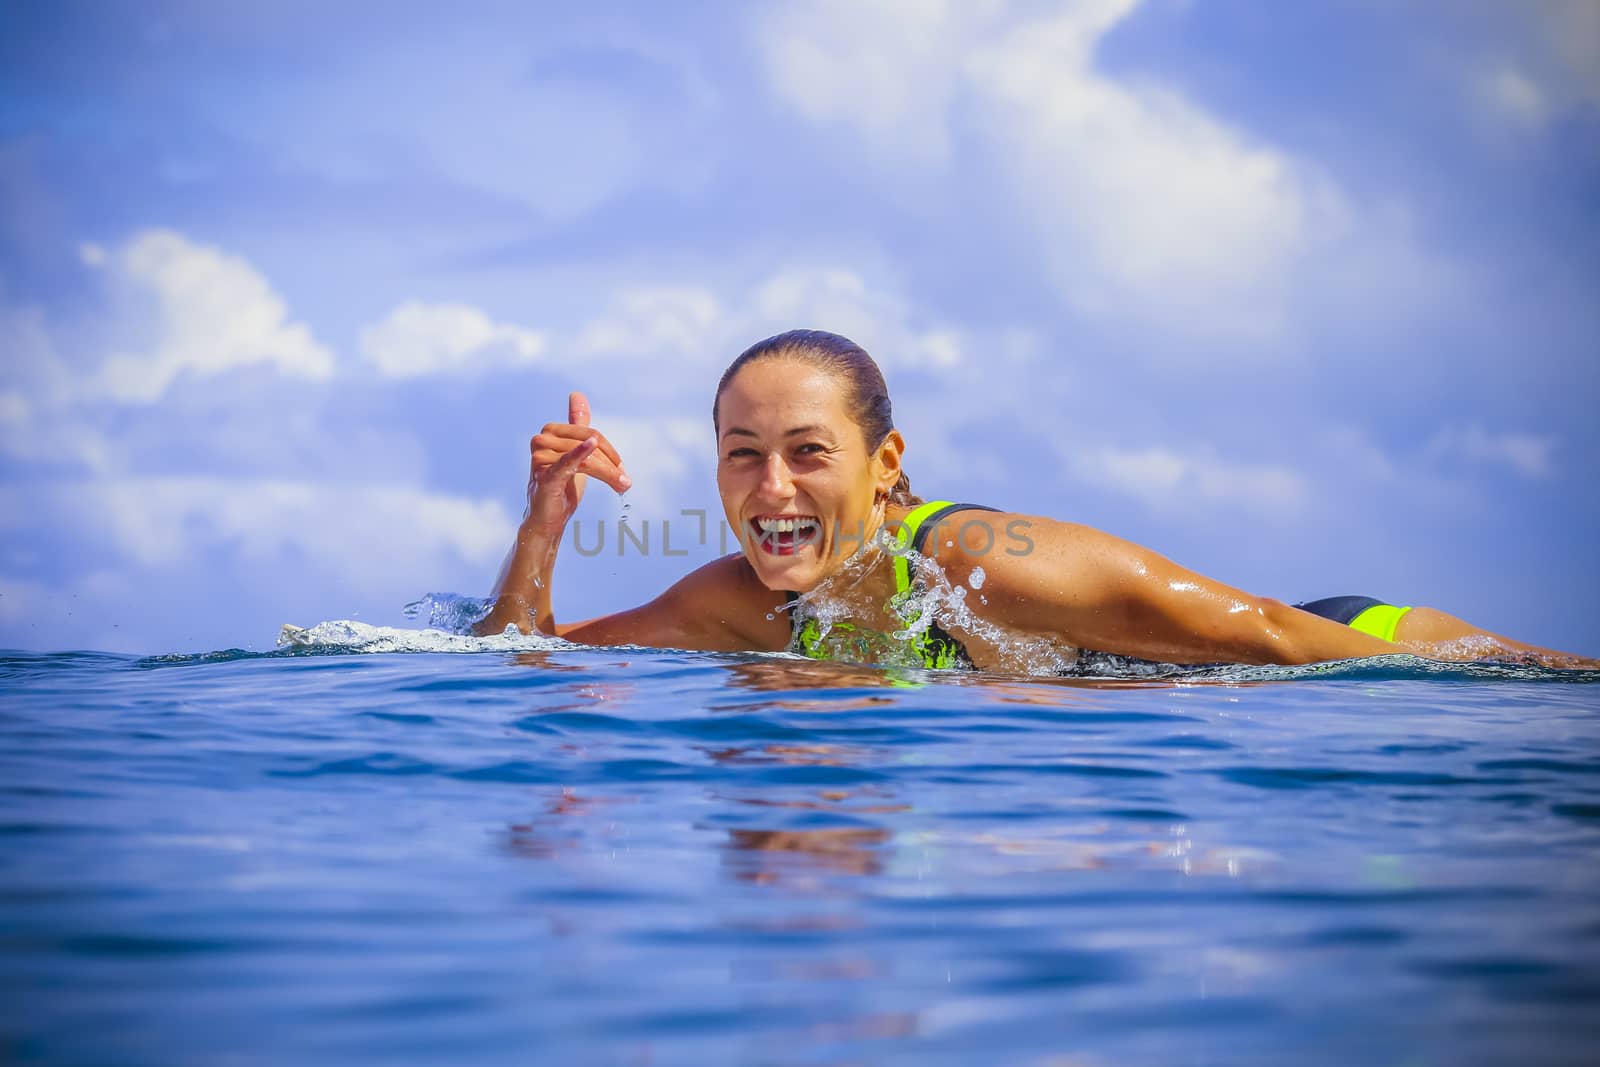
(809, 470)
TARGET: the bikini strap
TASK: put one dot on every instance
(914, 530)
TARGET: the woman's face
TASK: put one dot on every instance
(797, 479)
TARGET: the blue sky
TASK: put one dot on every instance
(1298, 295)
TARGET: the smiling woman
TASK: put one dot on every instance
(810, 475)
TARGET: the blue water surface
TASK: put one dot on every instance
(620, 856)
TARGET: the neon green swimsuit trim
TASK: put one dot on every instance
(933, 653)
(936, 650)
(1380, 621)
(907, 536)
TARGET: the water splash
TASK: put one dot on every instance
(843, 602)
(450, 612)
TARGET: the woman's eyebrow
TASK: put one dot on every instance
(740, 431)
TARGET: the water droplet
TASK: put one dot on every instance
(977, 578)
(770, 616)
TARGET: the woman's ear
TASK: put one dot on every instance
(887, 461)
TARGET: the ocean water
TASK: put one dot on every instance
(515, 851)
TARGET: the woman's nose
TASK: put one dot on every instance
(776, 480)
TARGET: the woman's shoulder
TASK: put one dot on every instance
(1017, 542)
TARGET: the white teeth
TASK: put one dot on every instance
(804, 525)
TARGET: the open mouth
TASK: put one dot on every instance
(784, 535)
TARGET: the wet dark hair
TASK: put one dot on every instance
(866, 395)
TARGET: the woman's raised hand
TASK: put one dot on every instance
(564, 453)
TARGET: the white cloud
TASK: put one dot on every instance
(693, 328)
(842, 301)
(880, 67)
(1526, 454)
(371, 537)
(1137, 199)
(418, 339)
(216, 313)
(681, 324)
(1166, 480)
(1167, 205)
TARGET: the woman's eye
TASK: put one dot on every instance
(740, 453)
(809, 449)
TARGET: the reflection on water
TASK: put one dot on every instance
(795, 857)
(546, 661)
(830, 800)
(818, 755)
(561, 827)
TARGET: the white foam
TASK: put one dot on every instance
(349, 636)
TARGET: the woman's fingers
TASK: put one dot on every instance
(591, 461)
(545, 460)
(564, 435)
(585, 458)
(572, 462)
(578, 409)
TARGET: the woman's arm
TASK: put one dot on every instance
(563, 455)
(1101, 592)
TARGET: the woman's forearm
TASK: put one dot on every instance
(523, 596)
